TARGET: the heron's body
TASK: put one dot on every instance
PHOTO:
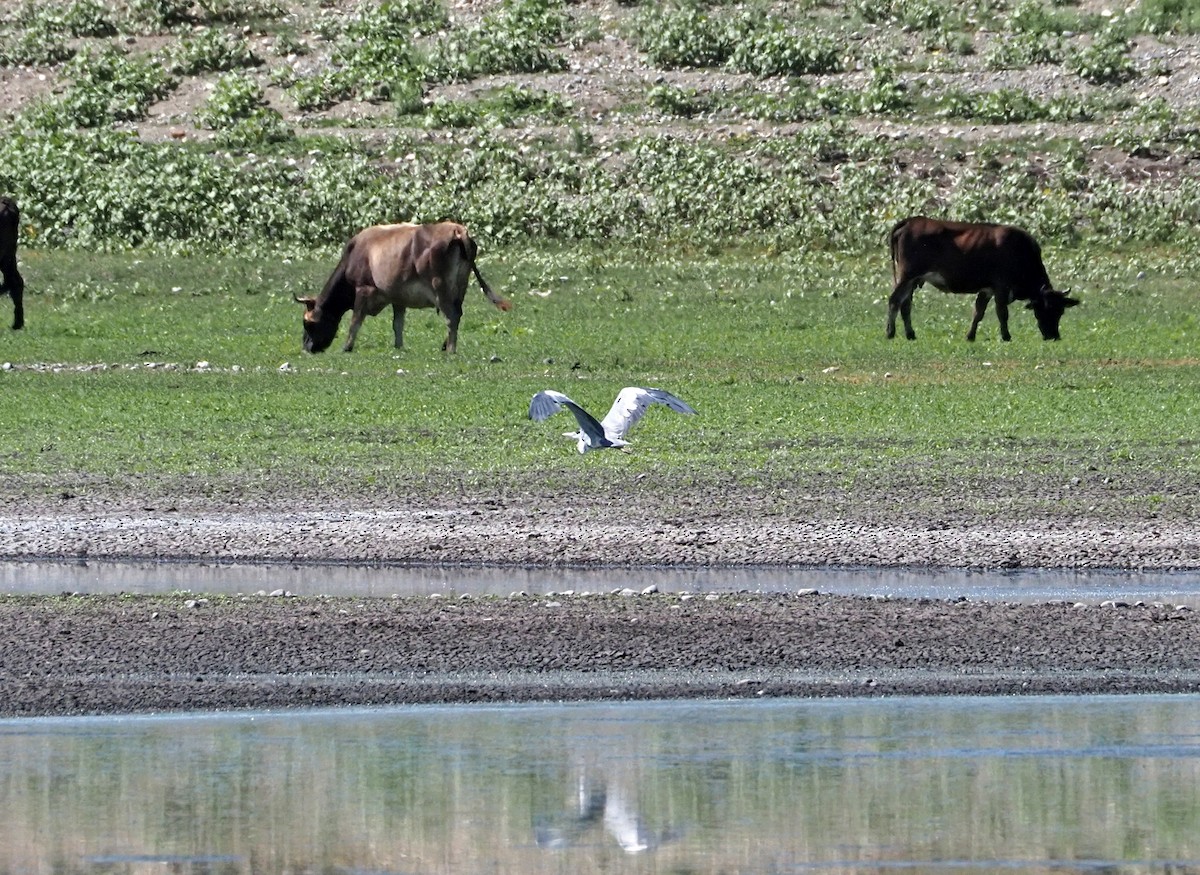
(593, 434)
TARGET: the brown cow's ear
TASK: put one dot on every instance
(308, 303)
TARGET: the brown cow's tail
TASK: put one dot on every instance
(469, 250)
(502, 303)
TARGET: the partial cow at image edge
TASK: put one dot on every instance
(13, 283)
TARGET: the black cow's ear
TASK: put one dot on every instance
(1071, 302)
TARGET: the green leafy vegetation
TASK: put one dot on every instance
(212, 50)
(237, 110)
(1105, 61)
(1169, 16)
(106, 85)
(1009, 105)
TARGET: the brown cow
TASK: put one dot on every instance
(993, 261)
(10, 218)
(404, 265)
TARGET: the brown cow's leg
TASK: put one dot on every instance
(981, 302)
(361, 296)
(398, 325)
(356, 321)
(901, 302)
(453, 316)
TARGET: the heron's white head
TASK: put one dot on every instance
(581, 440)
(583, 443)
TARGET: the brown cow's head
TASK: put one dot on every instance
(1048, 306)
(319, 330)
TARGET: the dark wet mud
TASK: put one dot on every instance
(107, 654)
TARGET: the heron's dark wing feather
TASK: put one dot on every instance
(549, 401)
(545, 404)
(588, 424)
(662, 396)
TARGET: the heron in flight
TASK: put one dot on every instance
(631, 405)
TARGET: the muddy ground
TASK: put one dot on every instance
(104, 654)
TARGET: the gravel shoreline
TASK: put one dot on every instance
(481, 533)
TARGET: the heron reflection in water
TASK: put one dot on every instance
(601, 805)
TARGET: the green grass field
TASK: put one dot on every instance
(783, 356)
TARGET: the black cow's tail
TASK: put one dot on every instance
(893, 245)
(469, 250)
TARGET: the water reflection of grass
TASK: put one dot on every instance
(744, 788)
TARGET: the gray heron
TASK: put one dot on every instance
(631, 405)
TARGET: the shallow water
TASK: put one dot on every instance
(1016, 585)
(1036, 784)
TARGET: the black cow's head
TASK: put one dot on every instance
(319, 329)
(1048, 305)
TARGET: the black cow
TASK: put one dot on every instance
(991, 261)
(10, 218)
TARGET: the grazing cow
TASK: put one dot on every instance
(10, 218)
(993, 261)
(404, 265)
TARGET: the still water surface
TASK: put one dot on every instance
(51, 578)
(1037, 784)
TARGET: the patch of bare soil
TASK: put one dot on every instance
(123, 654)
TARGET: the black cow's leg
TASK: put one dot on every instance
(1002, 314)
(398, 325)
(453, 316)
(15, 286)
(906, 318)
(901, 302)
(981, 302)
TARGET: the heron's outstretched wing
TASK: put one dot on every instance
(631, 405)
(548, 401)
(625, 826)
